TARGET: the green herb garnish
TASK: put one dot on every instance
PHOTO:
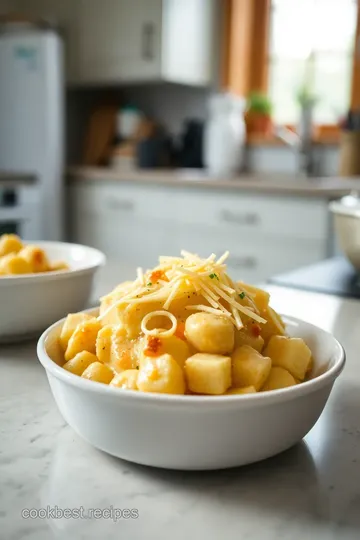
(242, 295)
(149, 284)
(212, 276)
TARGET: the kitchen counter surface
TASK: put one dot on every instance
(326, 187)
(309, 492)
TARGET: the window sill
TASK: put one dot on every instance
(272, 141)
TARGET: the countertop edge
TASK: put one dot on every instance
(324, 187)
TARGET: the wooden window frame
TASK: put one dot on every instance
(247, 28)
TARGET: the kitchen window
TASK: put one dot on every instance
(281, 46)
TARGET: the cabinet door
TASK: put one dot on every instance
(119, 40)
(190, 46)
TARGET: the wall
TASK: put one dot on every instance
(7, 5)
(168, 104)
(171, 105)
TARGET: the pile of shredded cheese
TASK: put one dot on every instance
(207, 277)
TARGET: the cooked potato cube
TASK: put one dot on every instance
(210, 333)
(278, 378)
(273, 326)
(127, 379)
(113, 348)
(129, 318)
(249, 367)
(83, 339)
(208, 373)
(9, 243)
(161, 374)
(80, 362)
(98, 372)
(246, 337)
(291, 354)
(259, 296)
(157, 346)
(103, 344)
(244, 390)
(36, 258)
(69, 326)
(14, 264)
(58, 265)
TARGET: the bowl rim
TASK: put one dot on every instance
(259, 398)
(49, 276)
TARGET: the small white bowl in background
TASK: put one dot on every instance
(194, 432)
(347, 226)
(31, 302)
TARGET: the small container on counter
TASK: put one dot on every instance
(224, 136)
(350, 145)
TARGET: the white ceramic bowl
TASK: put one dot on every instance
(194, 432)
(347, 226)
(30, 303)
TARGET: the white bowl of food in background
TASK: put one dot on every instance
(30, 302)
(347, 227)
(156, 378)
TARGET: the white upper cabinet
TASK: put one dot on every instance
(189, 46)
(128, 41)
(119, 40)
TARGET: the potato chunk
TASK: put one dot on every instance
(249, 367)
(246, 337)
(273, 326)
(36, 258)
(291, 354)
(161, 374)
(83, 339)
(98, 372)
(14, 264)
(278, 378)
(80, 362)
(57, 266)
(114, 348)
(244, 390)
(259, 296)
(69, 326)
(9, 243)
(127, 379)
(208, 373)
(210, 333)
(157, 346)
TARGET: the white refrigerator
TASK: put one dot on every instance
(32, 117)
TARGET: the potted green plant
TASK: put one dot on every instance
(258, 116)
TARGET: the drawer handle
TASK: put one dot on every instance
(123, 205)
(243, 219)
(243, 262)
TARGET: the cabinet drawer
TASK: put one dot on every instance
(245, 214)
(254, 216)
(251, 261)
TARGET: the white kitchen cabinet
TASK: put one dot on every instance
(124, 41)
(134, 224)
(119, 40)
(190, 43)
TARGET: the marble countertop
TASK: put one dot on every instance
(309, 492)
(281, 184)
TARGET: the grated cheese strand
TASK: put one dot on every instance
(207, 278)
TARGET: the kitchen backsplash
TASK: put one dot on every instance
(170, 105)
